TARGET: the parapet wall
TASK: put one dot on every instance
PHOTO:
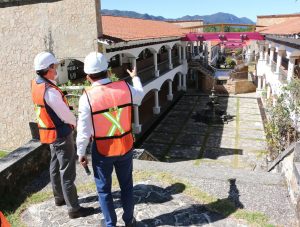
(288, 164)
(69, 28)
(19, 167)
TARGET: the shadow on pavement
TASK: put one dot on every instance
(197, 214)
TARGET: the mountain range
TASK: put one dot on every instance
(208, 19)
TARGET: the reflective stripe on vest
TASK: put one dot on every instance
(111, 107)
(37, 110)
(115, 122)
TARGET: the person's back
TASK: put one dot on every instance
(105, 115)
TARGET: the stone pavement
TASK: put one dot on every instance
(240, 143)
(155, 205)
(207, 179)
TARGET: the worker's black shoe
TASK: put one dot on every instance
(82, 212)
(60, 202)
(132, 223)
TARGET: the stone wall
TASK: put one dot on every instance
(275, 19)
(288, 164)
(69, 28)
(244, 86)
(206, 84)
(32, 157)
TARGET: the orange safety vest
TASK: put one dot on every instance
(3, 221)
(111, 106)
(47, 128)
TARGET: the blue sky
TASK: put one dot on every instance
(179, 8)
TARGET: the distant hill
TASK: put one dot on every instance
(131, 14)
(208, 19)
(219, 18)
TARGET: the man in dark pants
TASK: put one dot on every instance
(56, 123)
(105, 115)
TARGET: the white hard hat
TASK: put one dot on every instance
(43, 60)
(94, 63)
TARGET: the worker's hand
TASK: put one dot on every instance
(132, 73)
(83, 160)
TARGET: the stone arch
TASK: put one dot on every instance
(158, 83)
(145, 106)
(145, 58)
(172, 77)
(295, 54)
(119, 66)
(162, 53)
(177, 81)
(176, 44)
(151, 49)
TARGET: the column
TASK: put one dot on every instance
(133, 62)
(192, 49)
(184, 82)
(184, 53)
(170, 94)
(137, 128)
(205, 54)
(261, 52)
(196, 75)
(291, 69)
(156, 108)
(198, 47)
(170, 58)
(271, 55)
(268, 92)
(266, 54)
(249, 55)
(156, 71)
(120, 60)
(179, 82)
(263, 82)
(279, 60)
(259, 82)
(179, 53)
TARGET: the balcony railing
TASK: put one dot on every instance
(268, 59)
(282, 76)
(273, 66)
(148, 74)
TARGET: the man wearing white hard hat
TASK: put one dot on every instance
(105, 116)
(56, 123)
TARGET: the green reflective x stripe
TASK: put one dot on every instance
(37, 110)
(115, 122)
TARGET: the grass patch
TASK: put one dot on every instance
(261, 153)
(254, 218)
(254, 139)
(13, 213)
(3, 154)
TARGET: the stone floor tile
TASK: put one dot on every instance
(184, 151)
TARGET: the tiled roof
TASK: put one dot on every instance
(289, 27)
(130, 29)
